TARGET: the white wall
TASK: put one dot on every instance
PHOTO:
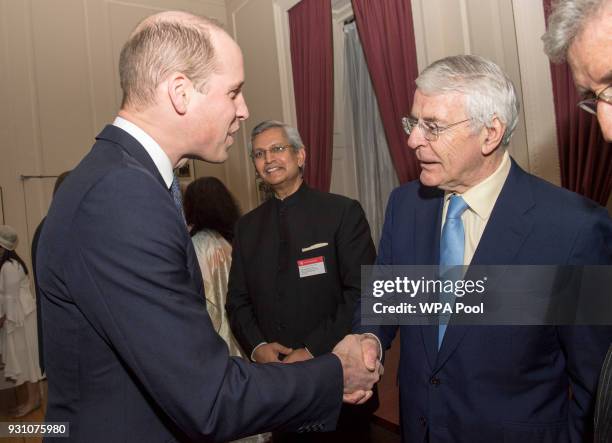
(507, 32)
(59, 86)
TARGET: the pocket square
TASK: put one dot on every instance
(315, 246)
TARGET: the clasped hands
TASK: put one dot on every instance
(361, 366)
(358, 355)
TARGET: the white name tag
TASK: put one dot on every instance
(311, 266)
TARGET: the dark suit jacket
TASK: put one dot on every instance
(35, 239)
(499, 383)
(603, 410)
(130, 350)
(268, 301)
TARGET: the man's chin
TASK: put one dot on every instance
(427, 180)
(219, 156)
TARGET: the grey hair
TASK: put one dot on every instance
(566, 21)
(291, 133)
(488, 91)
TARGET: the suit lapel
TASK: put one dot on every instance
(427, 249)
(507, 229)
(129, 144)
(510, 222)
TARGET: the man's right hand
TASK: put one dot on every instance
(359, 375)
(269, 353)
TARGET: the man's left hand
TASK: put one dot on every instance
(300, 354)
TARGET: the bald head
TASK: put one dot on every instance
(167, 42)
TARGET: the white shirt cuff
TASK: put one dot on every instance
(255, 348)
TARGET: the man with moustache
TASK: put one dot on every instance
(295, 275)
(473, 205)
(130, 352)
(580, 32)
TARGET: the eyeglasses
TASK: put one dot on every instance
(259, 154)
(590, 104)
(431, 130)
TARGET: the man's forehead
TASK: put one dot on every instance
(270, 136)
(229, 64)
(590, 54)
(439, 106)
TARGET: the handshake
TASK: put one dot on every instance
(358, 355)
(361, 366)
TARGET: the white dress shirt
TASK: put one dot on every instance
(157, 154)
(480, 200)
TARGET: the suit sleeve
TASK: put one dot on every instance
(385, 334)
(585, 346)
(129, 275)
(354, 248)
(239, 307)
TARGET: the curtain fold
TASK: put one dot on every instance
(386, 32)
(310, 28)
(375, 175)
(585, 158)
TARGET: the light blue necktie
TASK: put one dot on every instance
(452, 245)
(175, 190)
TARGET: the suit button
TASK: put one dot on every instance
(434, 381)
(423, 421)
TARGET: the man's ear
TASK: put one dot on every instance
(180, 90)
(301, 154)
(492, 136)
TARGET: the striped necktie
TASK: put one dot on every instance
(175, 190)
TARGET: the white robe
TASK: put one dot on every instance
(18, 336)
(215, 258)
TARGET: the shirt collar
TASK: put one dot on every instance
(157, 154)
(482, 197)
(292, 199)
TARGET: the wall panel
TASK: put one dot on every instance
(59, 87)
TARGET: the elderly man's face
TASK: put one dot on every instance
(453, 162)
(590, 57)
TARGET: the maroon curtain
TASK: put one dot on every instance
(310, 26)
(387, 36)
(584, 156)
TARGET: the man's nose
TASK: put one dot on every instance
(604, 116)
(416, 138)
(242, 110)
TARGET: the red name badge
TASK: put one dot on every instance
(311, 266)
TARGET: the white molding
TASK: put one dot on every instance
(283, 46)
(343, 12)
(233, 14)
(465, 25)
(252, 193)
(537, 97)
(418, 23)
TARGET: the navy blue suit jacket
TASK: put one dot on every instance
(499, 383)
(130, 350)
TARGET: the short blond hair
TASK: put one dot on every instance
(159, 47)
